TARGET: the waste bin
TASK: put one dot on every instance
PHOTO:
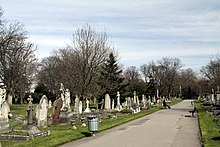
(93, 123)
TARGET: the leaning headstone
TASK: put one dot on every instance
(42, 112)
(107, 102)
(56, 111)
(87, 110)
(102, 104)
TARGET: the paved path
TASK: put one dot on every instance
(166, 128)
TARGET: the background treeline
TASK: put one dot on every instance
(89, 68)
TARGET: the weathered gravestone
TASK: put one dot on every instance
(80, 107)
(76, 106)
(42, 112)
(4, 111)
(107, 102)
(57, 105)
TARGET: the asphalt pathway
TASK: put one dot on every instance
(173, 127)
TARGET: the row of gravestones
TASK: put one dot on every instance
(130, 103)
(61, 108)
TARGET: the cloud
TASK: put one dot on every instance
(140, 30)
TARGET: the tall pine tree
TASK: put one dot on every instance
(110, 79)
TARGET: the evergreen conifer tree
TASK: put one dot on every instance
(110, 79)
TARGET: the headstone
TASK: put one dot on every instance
(129, 102)
(118, 106)
(135, 97)
(87, 110)
(144, 101)
(67, 100)
(138, 102)
(4, 110)
(57, 105)
(149, 100)
(42, 112)
(50, 104)
(218, 96)
(154, 100)
(76, 106)
(102, 104)
(80, 107)
(213, 96)
(30, 111)
(113, 104)
(107, 102)
(157, 93)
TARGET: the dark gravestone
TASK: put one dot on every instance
(56, 111)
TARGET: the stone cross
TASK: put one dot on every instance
(30, 99)
(30, 110)
(87, 110)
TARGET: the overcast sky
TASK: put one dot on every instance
(140, 30)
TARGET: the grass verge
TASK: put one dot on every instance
(209, 128)
(62, 133)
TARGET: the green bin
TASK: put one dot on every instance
(93, 123)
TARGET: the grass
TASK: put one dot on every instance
(62, 133)
(209, 128)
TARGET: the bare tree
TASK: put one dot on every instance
(17, 60)
(211, 71)
(92, 49)
(167, 72)
(163, 73)
(77, 65)
(187, 84)
(132, 74)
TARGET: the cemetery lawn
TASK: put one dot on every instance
(209, 128)
(62, 133)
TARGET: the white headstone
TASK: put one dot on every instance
(42, 112)
(113, 104)
(80, 107)
(135, 97)
(143, 101)
(67, 100)
(76, 106)
(4, 110)
(107, 102)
